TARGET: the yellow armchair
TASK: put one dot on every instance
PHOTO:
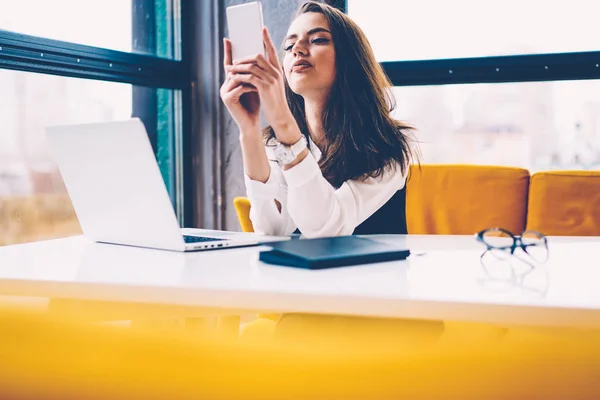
(565, 203)
(242, 208)
(464, 199)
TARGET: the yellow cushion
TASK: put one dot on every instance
(242, 208)
(565, 203)
(464, 199)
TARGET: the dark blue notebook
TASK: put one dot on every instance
(331, 252)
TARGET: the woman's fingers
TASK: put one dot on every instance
(228, 85)
(231, 83)
(249, 79)
(237, 92)
(252, 69)
(227, 51)
(260, 61)
(226, 57)
(271, 50)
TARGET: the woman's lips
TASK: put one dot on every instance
(301, 67)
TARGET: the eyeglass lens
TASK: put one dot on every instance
(535, 245)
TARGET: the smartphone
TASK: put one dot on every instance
(245, 24)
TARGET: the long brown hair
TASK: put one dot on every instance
(360, 136)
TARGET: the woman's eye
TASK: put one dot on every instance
(314, 41)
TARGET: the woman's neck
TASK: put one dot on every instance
(314, 111)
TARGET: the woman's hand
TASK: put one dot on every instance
(266, 75)
(240, 98)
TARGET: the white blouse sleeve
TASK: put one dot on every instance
(264, 214)
(319, 210)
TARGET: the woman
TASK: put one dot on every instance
(346, 169)
(333, 161)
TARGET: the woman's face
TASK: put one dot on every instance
(309, 61)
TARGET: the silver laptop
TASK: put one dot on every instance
(111, 174)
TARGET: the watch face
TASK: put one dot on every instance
(283, 155)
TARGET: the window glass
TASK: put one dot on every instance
(429, 29)
(534, 125)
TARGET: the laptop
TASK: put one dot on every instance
(118, 193)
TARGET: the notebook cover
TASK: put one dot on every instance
(331, 252)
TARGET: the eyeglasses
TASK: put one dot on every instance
(502, 243)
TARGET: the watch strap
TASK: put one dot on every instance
(298, 146)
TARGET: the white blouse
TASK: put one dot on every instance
(311, 204)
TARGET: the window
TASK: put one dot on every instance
(144, 26)
(433, 29)
(45, 81)
(503, 83)
(533, 125)
(34, 204)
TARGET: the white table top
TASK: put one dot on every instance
(444, 283)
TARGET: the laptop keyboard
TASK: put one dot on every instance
(196, 239)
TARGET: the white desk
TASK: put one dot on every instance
(442, 284)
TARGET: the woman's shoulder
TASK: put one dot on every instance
(392, 172)
(395, 169)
